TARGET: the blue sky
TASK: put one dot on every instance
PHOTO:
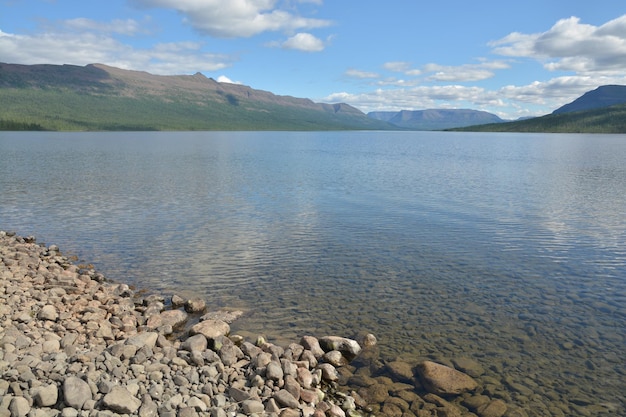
(510, 58)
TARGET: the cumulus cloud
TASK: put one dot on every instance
(304, 42)
(236, 18)
(572, 46)
(80, 47)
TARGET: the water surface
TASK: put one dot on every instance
(506, 248)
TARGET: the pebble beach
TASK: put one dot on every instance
(74, 344)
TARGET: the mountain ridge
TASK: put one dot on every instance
(101, 97)
(603, 96)
(435, 119)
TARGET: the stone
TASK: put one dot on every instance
(252, 407)
(48, 312)
(229, 354)
(211, 329)
(443, 380)
(311, 343)
(46, 396)
(177, 301)
(350, 348)
(495, 408)
(195, 306)
(335, 358)
(274, 371)
(329, 372)
(148, 409)
(284, 398)
(222, 315)
(195, 343)
(19, 407)
(76, 392)
(400, 370)
(120, 400)
(174, 318)
(468, 366)
(142, 339)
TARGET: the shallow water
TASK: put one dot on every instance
(509, 249)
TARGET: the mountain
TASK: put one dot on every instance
(602, 110)
(610, 119)
(604, 96)
(435, 119)
(100, 97)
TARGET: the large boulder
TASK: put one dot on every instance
(76, 392)
(174, 318)
(211, 329)
(443, 380)
(120, 400)
(348, 347)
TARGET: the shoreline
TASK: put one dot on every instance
(73, 344)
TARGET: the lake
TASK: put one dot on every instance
(508, 249)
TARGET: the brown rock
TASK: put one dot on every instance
(443, 380)
(211, 329)
(400, 370)
(495, 408)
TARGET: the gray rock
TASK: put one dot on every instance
(48, 312)
(350, 348)
(76, 392)
(252, 407)
(19, 407)
(229, 354)
(143, 339)
(443, 380)
(174, 318)
(121, 401)
(284, 398)
(274, 371)
(148, 409)
(329, 372)
(211, 329)
(195, 305)
(46, 396)
(197, 404)
(196, 343)
(312, 344)
(335, 358)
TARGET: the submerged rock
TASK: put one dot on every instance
(443, 380)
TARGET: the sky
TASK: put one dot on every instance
(512, 58)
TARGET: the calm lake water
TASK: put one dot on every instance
(509, 249)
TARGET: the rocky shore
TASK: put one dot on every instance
(73, 344)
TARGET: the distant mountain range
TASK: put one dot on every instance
(100, 97)
(435, 119)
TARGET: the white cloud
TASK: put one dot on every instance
(355, 73)
(508, 102)
(225, 79)
(304, 42)
(236, 18)
(401, 66)
(123, 27)
(572, 46)
(463, 73)
(85, 47)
